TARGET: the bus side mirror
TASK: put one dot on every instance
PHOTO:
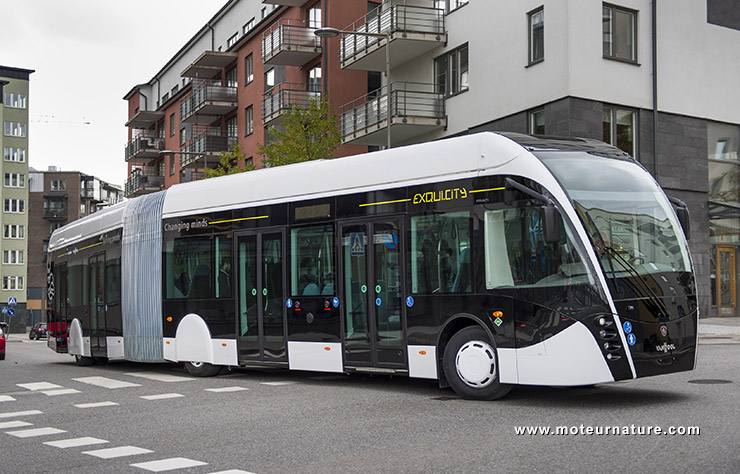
(682, 212)
(551, 226)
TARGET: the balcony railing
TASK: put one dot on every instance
(284, 97)
(415, 27)
(55, 214)
(290, 42)
(144, 146)
(143, 181)
(192, 176)
(208, 101)
(204, 150)
(415, 109)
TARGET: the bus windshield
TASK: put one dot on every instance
(630, 221)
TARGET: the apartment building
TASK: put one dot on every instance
(57, 198)
(14, 100)
(658, 79)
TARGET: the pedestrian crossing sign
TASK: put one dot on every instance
(357, 244)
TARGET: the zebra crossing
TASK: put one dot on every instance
(21, 424)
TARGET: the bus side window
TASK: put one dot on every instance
(440, 253)
(189, 268)
(312, 261)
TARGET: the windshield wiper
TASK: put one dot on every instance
(655, 299)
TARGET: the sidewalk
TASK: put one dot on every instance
(719, 330)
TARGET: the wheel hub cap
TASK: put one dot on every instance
(476, 364)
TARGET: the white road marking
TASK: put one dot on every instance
(226, 389)
(121, 451)
(162, 396)
(61, 391)
(168, 464)
(6, 398)
(277, 384)
(39, 386)
(96, 405)
(13, 424)
(30, 433)
(105, 382)
(75, 442)
(21, 413)
(159, 377)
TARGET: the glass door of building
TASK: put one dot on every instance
(726, 284)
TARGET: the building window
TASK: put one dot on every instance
(14, 231)
(451, 72)
(174, 90)
(15, 101)
(620, 33)
(183, 136)
(619, 129)
(249, 161)
(249, 120)
(165, 98)
(314, 16)
(231, 80)
(15, 180)
(15, 129)
(248, 26)
(172, 164)
(14, 154)
(537, 122)
(232, 40)
(449, 5)
(172, 124)
(232, 127)
(58, 185)
(537, 35)
(314, 79)
(13, 257)
(248, 69)
(12, 283)
(54, 226)
(269, 79)
(14, 206)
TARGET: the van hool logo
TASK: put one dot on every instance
(665, 347)
(443, 195)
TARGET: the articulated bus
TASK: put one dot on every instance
(482, 262)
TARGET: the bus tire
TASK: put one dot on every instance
(470, 365)
(83, 361)
(202, 369)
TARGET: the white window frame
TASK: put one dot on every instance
(14, 180)
(248, 69)
(249, 120)
(613, 112)
(14, 154)
(15, 101)
(14, 206)
(14, 231)
(11, 283)
(15, 129)
(13, 257)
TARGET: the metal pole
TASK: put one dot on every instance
(388, 85)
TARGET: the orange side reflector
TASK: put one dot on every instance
(327, 348)
(167, 342)
(423, 352)
(169, 319)
(224, 344)
(119, 341)
(498, 314)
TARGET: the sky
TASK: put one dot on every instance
(87, 55)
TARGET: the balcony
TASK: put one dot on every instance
(209, 64)
(145, 119)
(414, 30)
(143, 180)
(55, 214)
(284, 97)
(416, 109)
(204, 150)
(187, 176)
(143, 147)
(208, 101)
(290, 42)
(289, 3)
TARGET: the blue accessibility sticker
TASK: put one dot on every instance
(289, 303)
(335, 302)
(627, 327)
(409, 301)
(631, 339)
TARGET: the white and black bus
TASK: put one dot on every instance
(482, 261)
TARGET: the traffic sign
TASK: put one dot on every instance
(12, 300)
(11, 312)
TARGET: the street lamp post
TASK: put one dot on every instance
(328, 32)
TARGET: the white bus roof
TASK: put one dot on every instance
(97, 223)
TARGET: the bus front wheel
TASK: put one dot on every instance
(202, 369)
(471, 366)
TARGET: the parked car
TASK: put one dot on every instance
(3, 328)
(37, 331)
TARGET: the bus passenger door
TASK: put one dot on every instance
(372, 287)
(260, 296)
(96, 305)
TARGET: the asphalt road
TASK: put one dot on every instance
(277, 422)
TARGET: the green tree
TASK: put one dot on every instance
(307, 133)
(228, 163)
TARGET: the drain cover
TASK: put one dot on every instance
(710, 381)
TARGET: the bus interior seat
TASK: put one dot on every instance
(462, 280)
(200, 286)
(312, 289)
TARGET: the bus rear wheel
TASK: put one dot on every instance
(202, 369)
(83, 361)
(471, 365)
